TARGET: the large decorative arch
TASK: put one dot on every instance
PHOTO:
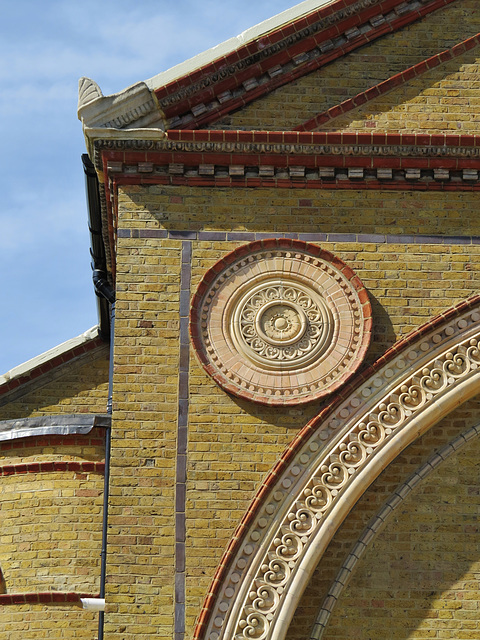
(329, 465)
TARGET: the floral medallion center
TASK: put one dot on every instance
(281, 324)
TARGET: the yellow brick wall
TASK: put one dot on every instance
(40, 622)
(296, 210)
(232, 444)
(289, 106)
(419, 577)
(50, 539)
(444, 100)
(79, 386)
(51, 522)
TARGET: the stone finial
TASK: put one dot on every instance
(88, 90)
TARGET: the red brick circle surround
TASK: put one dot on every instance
(268, 283)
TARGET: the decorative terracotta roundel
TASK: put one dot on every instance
(280, 322)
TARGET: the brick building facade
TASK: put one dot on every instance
(288, 227)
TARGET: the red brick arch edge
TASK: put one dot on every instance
(289, 453)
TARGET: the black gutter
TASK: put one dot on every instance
(106, 318)
(105, 294)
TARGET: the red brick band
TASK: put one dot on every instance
(48, 467)
(46, 597)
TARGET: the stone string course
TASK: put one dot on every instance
(245, 236)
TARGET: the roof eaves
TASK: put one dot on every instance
(25, 368)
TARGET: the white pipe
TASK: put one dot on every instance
(93, 604)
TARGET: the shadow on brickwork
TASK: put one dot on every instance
(184, 210)
(417, 93)
(383, 334)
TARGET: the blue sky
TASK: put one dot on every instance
(45, 47)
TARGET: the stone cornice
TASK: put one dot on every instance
(284, 159)
(135, 109)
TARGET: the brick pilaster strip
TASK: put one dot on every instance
(388, 85)
(182, 437)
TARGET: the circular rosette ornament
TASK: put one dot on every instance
(280, 322)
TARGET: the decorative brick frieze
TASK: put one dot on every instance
(310, 177)
(284, 55)
(291, 159)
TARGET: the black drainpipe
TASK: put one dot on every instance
(106, 485)
(106, 317)
(104, 291)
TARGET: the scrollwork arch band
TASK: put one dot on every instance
(330, 464)
(369, 534)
